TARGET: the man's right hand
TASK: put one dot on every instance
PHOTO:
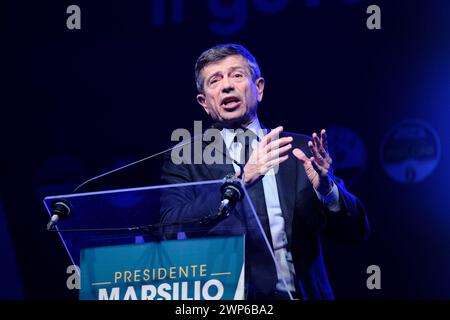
(268, 154)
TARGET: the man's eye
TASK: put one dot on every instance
(213, 81)
(238, 75)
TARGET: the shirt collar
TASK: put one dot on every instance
(229, 134)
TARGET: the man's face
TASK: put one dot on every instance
(230, 96)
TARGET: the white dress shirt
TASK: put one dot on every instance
(285, 267)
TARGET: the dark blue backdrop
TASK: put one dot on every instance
(79, 102)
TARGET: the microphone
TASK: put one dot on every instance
(231, 193)
(179, 145)
(60, 210)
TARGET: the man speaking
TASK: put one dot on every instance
(287, 176)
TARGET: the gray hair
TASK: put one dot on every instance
(220, 52)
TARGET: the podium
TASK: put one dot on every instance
(166, 243)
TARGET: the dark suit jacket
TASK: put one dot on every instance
(306, 219)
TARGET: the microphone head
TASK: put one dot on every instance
(232, 188)
(61, 208)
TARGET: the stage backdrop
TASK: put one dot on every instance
(79, 102)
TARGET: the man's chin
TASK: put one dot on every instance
(229, 122)
(234, 122)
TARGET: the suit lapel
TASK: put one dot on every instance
(218, 149)
(286, 178)
(286, 185)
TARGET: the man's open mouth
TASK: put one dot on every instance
(230, 102)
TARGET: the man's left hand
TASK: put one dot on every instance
(318, 168)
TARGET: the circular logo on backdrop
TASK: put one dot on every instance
(348, 152)
(410, 151)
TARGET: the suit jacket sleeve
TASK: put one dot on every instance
(180, 204)
(350, 224)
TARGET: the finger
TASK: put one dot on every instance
(324, 141)
(272, 134)
(300, 155)
(319, 145)
(316, 139)
(315, 153)
(309, 169)
(277, 152)
(275, 162)
(323, 138)
(275, 144)
(318, 168)
(307, 163)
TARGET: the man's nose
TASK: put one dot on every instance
(227, 85)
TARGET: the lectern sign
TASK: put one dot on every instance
(193, 269)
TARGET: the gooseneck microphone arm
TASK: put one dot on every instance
(138, 161)
(61, 208)
(216, 126)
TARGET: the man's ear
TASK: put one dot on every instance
(201, 99)
(260, 88)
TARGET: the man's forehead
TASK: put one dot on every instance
(230, 62)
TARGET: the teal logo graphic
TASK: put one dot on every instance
(193, 269)
(411, 151)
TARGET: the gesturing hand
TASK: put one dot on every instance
(267, 155)
(318, 168)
